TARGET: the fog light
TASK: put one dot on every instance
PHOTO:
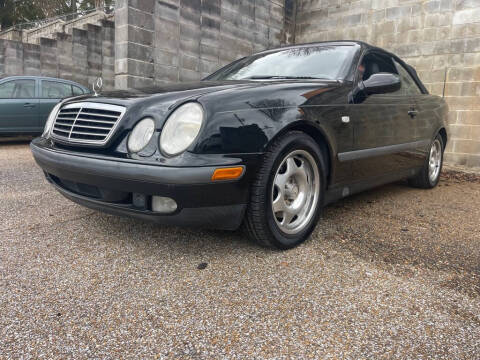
(163, 205)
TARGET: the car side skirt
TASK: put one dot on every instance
(338, 192)
(382, 150)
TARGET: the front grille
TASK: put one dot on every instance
(87, 122)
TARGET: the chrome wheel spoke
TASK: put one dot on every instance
(280, 181)
(282, 178)
(279, 204)
(287, 218)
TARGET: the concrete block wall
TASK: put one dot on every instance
(82, 56)
(164, 41)
(431, 35)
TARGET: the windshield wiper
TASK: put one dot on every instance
(261, 77)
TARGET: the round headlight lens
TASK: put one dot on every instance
(51, 120)
(181, 128)
(141, 135)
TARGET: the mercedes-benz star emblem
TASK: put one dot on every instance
(97, 86)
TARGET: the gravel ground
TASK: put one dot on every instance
(390, 273)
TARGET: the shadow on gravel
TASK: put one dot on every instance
(179, 240)
(394, 227)
(18, 140)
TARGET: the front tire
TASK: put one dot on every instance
(288, 192)
(429, 175)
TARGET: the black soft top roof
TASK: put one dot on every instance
(365, 46)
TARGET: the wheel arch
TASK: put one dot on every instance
(320, 138)
(443, 133)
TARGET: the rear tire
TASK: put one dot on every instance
(429, 175)
(288, 192)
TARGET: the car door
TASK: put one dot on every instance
(383, 128)
(420, 113)
(51, 92)
(18, 106)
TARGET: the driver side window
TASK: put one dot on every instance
(374, 63)
(409, 87)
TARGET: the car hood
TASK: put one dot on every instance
(215, 97)
(167, 93)
(171, 94)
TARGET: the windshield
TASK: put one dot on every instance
(313, 62)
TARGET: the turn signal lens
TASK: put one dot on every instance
(227, 173)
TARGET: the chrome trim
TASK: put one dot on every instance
(49, 133)
(92, 106)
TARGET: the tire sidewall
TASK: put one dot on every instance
(292, 143)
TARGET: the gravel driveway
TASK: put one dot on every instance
(390, 273)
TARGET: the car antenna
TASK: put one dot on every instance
(444, 82)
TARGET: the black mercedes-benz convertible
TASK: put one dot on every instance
(266, 141)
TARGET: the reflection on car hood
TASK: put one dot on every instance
(172, 93)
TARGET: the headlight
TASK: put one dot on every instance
(51, 120)
(141, 135)
(181, 128)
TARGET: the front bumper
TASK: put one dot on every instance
(114, 185)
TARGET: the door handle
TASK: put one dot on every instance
(413, 113)
(28, 105)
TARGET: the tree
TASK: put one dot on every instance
(95, 4)
(14, 12)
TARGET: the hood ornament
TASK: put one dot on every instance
(97, 86)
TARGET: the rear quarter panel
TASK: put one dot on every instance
(433, 115)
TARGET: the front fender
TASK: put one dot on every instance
(244, 131)
(253, 130)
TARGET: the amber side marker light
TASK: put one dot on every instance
(230, 173)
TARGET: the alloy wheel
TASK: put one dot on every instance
(295, 191)
(435, 161)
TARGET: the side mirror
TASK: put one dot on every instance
(381, 83)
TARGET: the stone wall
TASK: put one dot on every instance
(162, 41)
(46, 31)
(431, 35)
(11, 34)
(81, 56)
(50, 30)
